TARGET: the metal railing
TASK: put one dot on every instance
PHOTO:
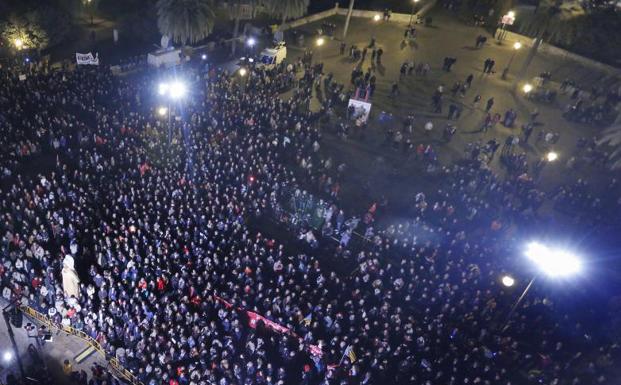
(113, 362)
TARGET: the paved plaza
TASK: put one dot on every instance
(446, 37)
(62, 347)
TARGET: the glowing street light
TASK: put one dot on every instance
(242, 72)
(527, 88)
(551, 156)
(19, 43)
(553, 262)
(376, 17)
(508, 281)
(174, 90)
(177, 90)
(320, 41)
(251, 42)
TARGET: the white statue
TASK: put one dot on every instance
(71, 282)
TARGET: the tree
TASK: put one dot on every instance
(29, 34)
(185, 21)
(287, 9)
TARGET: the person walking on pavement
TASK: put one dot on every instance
(476, 101)
(486, 65)
(380, 52)
(394, 92)
(490, 68)
(469, 79)
(490, 104)
(403, 70)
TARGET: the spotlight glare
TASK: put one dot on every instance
(551, 156)
(251, 41)
(163, 88)
(553, 262)
(377, 17)
(7, 356)
(177, 90)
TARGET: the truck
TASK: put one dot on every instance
(271, 57)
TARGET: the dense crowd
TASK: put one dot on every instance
(173, 270)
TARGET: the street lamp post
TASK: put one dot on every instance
(172, 91)
(349, 12)
(554, 263)
(251, 42)
(90, 8)
(9, 328)
(242, 73)
(413, 7)
(516, 46)
(319, 43)
(517, 303)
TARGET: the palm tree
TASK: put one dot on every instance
(287, 9)
(185, 21)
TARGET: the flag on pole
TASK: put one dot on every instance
(308, 319)
(349, 352)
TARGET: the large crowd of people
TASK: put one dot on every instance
(181, 287)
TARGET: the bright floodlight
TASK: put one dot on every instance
(242, 71)
(251, 41)
(377, 17)
(320, 41)
(177, 90)
(517, 45)
(7, 356)
(508, 281)
(553, 262)
(551, 156)
(162, 111)
(163, 88)
(527, 88)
